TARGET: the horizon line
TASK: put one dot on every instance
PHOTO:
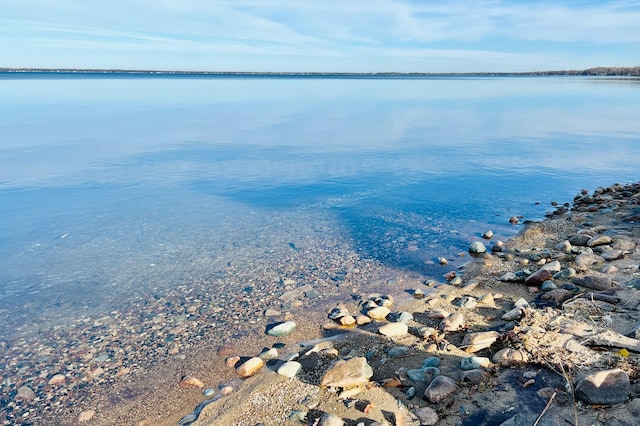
(602, 71)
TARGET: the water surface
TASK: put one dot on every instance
(115, 188)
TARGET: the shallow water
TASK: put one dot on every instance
(125, 201)
(109, 184)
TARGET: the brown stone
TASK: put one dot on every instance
(538, 277)
(348, 374)
(250, 367)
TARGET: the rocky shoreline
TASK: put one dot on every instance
(543, 330)
(525, 333)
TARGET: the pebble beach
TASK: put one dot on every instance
(538, 329)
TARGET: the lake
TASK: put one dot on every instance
(138, 202)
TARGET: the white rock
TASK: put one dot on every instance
(453, 322)
(553, 267)
(289, 369)
(379, 313)
(394, 329)
(282, 329)
(513, 314)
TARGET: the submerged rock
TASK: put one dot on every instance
(477, 247)
(25, 393)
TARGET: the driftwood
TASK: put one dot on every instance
(598, 336)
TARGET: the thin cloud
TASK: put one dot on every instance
(480, 32)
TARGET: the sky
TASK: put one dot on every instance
(320, 35)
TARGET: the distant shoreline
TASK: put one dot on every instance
(596, 72)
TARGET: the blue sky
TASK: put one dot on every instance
(320, 35)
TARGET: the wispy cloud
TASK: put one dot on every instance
(235, 31)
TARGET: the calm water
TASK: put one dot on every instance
(115, 187)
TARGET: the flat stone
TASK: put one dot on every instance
(579, 240)
(378, 314)
(394, 329)
(585, 260)
(289, 369)
(508, 357)
(474, 342)
(624, 245)
(605, 387)
(439, 389)
(594, 282)
(398, 351)
(282, 329)
(250, 367)
(291, 295)
(548, 286)
(348, 373)
(541, 255)
(272, 313)
(487, 235)
(599, 240)
(613, 254)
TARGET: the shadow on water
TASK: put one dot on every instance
(406, 225)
